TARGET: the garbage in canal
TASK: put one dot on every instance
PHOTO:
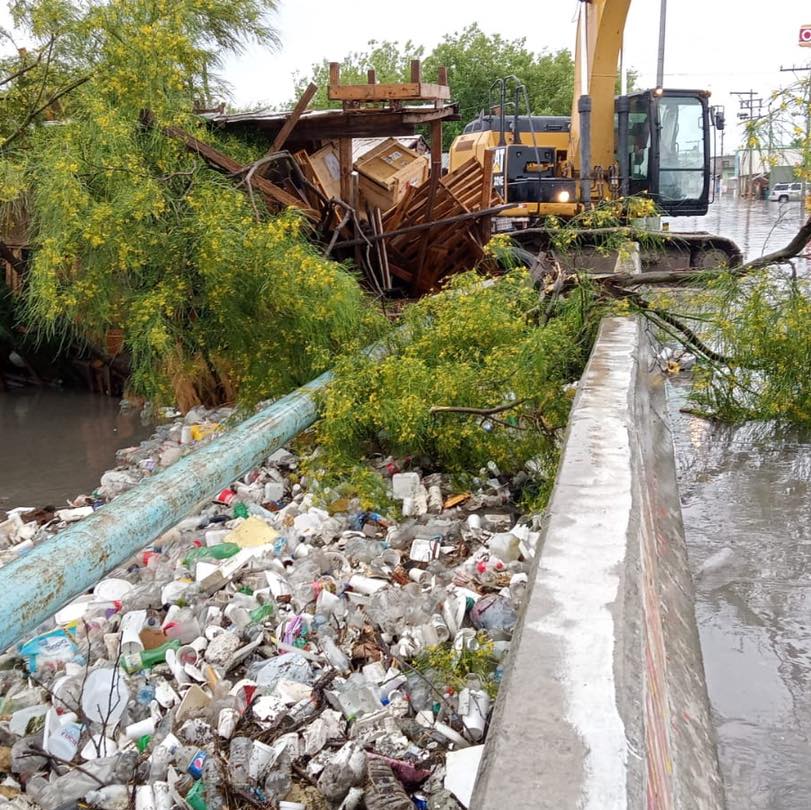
(295, 652)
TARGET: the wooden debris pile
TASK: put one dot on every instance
(387, 207)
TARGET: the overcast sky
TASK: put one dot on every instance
(718, 45)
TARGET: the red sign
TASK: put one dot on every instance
(805, 36)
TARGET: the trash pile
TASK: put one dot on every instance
(280, 648)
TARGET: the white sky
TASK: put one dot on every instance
(718, 45)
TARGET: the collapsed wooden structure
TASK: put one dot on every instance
(390, 210)
(370, 198)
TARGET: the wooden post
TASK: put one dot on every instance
(487, 194)
(334, 73)
(371, 76)
(443, 76)
(345, 164)
(436, 173)
(298, 110)
(416, 71)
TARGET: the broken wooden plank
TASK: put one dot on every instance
(402, 91)
(222, 162)
(301, 106)
(345, 168)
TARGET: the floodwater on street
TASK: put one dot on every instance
(757, 226)
(746, 499)
(55, 444)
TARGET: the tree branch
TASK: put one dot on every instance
(792, 249)
(476, 411)
(34, 113)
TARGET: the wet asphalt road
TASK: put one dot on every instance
(746, 498)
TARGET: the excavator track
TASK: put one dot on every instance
(671, 251)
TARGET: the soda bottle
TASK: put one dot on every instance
(145, 659)
(222, 551)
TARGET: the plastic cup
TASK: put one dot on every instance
(474, 706)
(227, 723)
(262, 757)
(366, 585)
(163, 796)
(143, 728)
(188, 655)
(131, 625)
(144, 798)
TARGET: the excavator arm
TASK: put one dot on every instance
(604, 22)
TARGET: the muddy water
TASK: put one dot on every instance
(56, 444)
(746, 497)
(757, 226)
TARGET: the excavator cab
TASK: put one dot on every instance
(664, 148)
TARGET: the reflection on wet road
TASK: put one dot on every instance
(746, 498)
(757, 226)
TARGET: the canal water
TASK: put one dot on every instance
(746, 499)
(55, 444)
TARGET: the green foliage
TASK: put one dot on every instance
(216, 300)
(783, 124)
(471, 346)
(446, 667)
(390, 61)
(763, 327)
(474, 60)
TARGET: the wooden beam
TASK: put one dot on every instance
(442, 76)
(371, 76)
(334, 73)
(407, 91)
(436, 172)
(345, 167)
(416, 71)
(425, 226)
(301, 106)
(226, 164)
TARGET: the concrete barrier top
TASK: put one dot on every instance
(604, 704)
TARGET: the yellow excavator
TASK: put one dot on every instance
(656, 143)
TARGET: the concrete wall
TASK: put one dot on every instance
(604, 704)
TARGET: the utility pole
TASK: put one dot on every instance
(807, 144)
(660, 68)
(747, 113)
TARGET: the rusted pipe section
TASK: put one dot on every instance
(34, 587)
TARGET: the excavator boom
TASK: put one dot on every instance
(604, 23)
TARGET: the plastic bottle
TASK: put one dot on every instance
(196, 797)
(386, 791)
(190, 759)
(261, 613)
(183, 627)
(213, 784)
(239, 757)
(148, 658)
(335, 655)
(222, 551)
